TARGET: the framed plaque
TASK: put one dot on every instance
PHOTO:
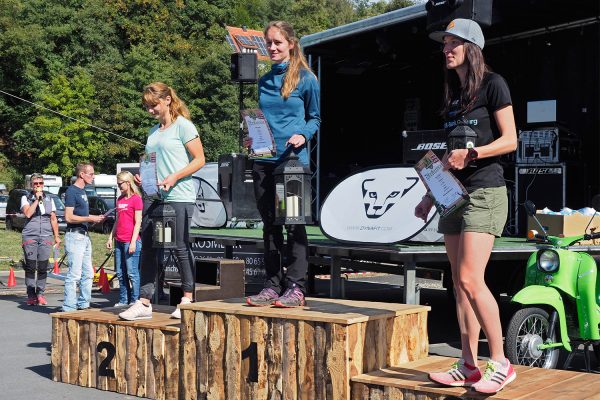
(447, 191)
(256, 128)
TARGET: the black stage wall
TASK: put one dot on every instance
(377, 83)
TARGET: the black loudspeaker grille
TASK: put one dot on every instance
(441, 12)
(236, 187)
(244, 67)
(544, 184)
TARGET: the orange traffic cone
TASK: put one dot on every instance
(56, 270)
(103, 282)
(12, 282)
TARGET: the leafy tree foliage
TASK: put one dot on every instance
(90, 59)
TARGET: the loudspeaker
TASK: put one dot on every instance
(544, 184)
(415, 144)
(441, 12)
(236, 187)
(244, 67)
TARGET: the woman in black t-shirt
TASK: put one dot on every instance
(480, 125)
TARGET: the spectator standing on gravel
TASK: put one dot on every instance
(78, 246)
(126, 233)
(39, 234)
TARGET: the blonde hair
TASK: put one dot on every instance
(157, 91)
(128, 177)
(297, 59)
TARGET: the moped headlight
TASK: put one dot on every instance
(548, 261)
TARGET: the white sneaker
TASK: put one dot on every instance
(121, 305)
(177, 313)
(137, 311)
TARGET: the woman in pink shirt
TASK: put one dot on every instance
(126, 233)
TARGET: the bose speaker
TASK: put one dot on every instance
(441, 12)
(544, 184)
(244, 67)
(236, 187)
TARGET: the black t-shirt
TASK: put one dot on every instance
(77, 198)
(492, 95)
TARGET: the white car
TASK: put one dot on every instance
(3, 201)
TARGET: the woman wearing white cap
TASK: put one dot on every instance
(480, 124)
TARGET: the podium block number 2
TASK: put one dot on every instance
(103, 369)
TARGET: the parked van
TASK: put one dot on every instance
(106, 185)
(52, 183)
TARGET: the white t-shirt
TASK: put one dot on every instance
(25, 202)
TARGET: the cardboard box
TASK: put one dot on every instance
(566, 225)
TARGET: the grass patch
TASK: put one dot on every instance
(11, 251)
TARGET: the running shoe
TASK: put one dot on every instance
(458, 375)
(41, 300)
(177, 313)
(495, 377)
(266, 297)
(292, 297)
(137, 311)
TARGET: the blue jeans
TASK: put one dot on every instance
(131, 275)
(78, 248)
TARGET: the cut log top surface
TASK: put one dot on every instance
(317, 309)
(531, 383)
(161, 317)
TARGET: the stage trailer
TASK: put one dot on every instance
(382, 76)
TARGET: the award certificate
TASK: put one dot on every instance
(148, 175)
(448, 192)
(256, 127)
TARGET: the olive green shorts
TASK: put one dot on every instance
(485, 212)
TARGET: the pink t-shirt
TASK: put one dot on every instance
(126, 208)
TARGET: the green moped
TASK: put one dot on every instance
(560, 299)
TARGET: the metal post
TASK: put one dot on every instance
(335, 276)
(411, 291)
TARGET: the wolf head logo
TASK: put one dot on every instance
(380, 196)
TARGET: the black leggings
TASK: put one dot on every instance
(149, 268)
(294, 255)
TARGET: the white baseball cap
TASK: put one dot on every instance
(465, 29)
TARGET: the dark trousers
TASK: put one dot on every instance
(149, 267)
(36, 251)
(294, 255)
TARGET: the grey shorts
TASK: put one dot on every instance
(485, 212)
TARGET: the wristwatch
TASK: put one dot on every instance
(472, 154)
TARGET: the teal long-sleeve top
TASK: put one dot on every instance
(299, 113)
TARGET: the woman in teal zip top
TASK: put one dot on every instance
(289, 100)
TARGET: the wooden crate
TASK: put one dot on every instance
(94, 348)
(233, 351)
(410, 382)
(216, 279)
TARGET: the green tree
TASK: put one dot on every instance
(55, 144)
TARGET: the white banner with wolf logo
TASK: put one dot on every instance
(377, 206)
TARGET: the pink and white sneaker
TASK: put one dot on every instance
(495, 377)
(458, 375)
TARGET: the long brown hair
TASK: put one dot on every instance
(158, 90)
(297, 59)
(476, 70)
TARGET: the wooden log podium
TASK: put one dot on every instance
(233, 351)
(94, 348)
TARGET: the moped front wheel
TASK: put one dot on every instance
(528, 329)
